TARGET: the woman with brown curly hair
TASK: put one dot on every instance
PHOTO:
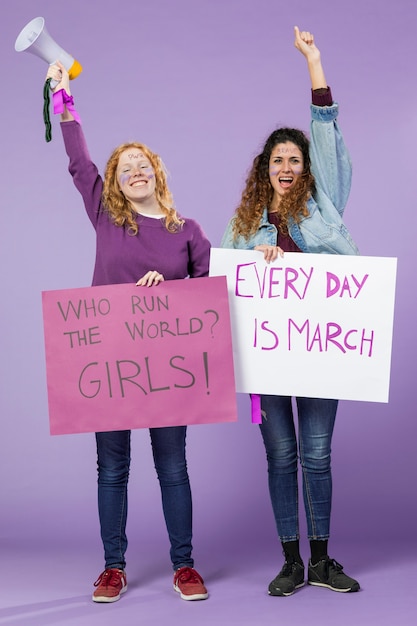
(140, 238)
(293, 201)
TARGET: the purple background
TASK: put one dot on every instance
(203, 83)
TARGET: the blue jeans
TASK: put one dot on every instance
(316, 419)
(113, 461)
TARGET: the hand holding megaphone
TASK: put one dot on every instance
(59, 77)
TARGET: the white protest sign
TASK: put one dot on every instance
(312, 325)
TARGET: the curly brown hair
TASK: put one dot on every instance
(120, 209)
(258, 192)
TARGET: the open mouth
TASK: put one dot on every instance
(285, 181)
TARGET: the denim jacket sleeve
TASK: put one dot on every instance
(323, 231)
(330, 160)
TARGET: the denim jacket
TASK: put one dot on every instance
(323, 230)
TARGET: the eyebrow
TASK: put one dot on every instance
(124, 163)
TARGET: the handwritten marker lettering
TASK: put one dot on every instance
(253, 281)
(348, 286)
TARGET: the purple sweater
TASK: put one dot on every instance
(124, 258)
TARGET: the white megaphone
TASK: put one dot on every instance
(35, 38)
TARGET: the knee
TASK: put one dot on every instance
(317, 458)
(113, 457)
(114, 473)
(172, 474)
(282, 456)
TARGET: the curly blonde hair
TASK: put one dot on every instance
(120, 209)
(258, 192)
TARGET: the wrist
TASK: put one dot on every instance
(64, 104)
(317, 77)
(314, 61)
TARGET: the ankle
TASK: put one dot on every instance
(291, 551)
(318, 549)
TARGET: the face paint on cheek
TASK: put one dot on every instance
(298, 170)
(273, 171)
(123, 178)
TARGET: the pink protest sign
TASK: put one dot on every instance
(122, 357)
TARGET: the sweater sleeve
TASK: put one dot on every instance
(199, 253)
(83, 171)
(322, 97)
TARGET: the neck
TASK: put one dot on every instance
(148, 205)
(274, 206)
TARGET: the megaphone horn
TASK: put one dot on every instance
(35, 38)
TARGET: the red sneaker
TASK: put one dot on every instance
(110, 585)
(188, 582)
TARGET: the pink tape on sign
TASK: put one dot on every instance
(256, 408)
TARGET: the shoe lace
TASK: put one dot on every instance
(334, 565)
(189, 575)
(109, 578)
(287, 568)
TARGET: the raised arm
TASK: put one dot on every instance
(304, 42)
(330, 160)
(83, 171)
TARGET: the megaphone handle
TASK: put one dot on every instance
(46, 118)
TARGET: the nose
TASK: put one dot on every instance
(136, 170)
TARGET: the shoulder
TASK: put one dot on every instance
(190, 225)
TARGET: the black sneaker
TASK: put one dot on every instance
(290, 578)
(329, 573)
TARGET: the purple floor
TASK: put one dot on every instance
(51, 586)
